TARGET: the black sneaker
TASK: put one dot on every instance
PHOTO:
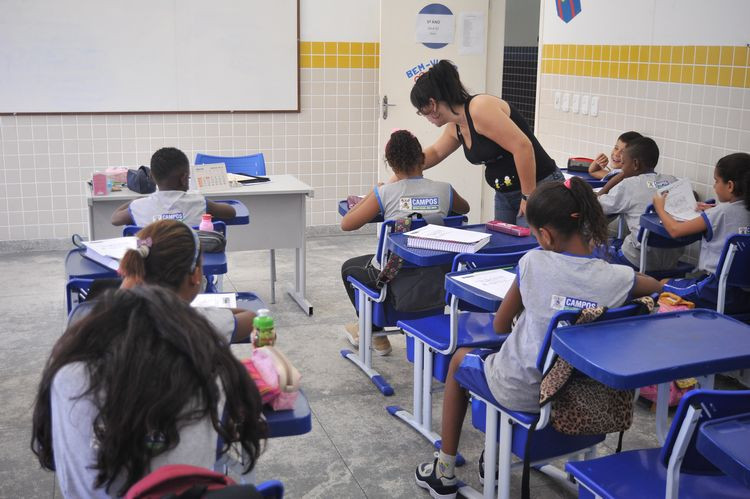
(481, 471)
(440, 488)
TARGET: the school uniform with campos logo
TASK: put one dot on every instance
(549, 282)
(414, 195)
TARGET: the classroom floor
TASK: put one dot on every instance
(356, 449)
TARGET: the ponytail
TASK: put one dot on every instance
(168, 250)
(736, 168)
(441, 83)
(570, 208)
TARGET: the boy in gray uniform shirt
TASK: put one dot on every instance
(172, 201)
(629, 194)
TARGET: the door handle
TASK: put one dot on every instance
(385, 107)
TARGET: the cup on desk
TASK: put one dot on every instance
(99, 183)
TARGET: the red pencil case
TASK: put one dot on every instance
(506, 228)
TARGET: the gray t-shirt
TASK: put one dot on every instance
(74, 444)
(722, 221)
(630, 198)
(187, 207)
(549, 282)
(414, 195)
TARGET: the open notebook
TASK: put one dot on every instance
(440, 238)
(220, 300)
(109, 252)
(496, 282)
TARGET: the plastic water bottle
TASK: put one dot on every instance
(206, 223)
(263, 324)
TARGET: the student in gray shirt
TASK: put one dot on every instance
(566, 219)
(628, 195)
(137, 384)
(730, 216)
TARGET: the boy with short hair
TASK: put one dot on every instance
(629, 194)
(171, 171)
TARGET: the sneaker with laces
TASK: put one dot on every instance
(351, 331)
(381, 346)
(440, 487)
(481, 470)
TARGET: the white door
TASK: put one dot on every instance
(401, 55)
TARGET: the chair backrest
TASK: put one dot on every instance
(485, 260)
(387, 227)
(714, 404)
(272, 489)
(253, 164)
(131, 230)
(735, 261)
(78, 288)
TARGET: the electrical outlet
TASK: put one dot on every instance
(585, 104)
(575, 103)
(594, 108)
(565, 102)
(558, 98)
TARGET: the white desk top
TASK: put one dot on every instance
(279, 184)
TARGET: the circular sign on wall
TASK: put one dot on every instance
(435, 26)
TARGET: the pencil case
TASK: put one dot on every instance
(506, 228)
(579, 164)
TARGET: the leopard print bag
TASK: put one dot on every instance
(581, 405)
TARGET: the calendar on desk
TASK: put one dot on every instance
(210, 177)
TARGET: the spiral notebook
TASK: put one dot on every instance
(440, 238)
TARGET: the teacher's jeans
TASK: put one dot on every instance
(508, 203)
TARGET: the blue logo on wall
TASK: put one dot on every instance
(568, 9)
(435, 8)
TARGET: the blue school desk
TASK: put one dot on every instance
(344, 209)
(499, 243)
(655, 349)
(654, 233)
(585, 176)
(726, 443)
(468, 293)
(77, 265)
(295, 421)
(241, 213)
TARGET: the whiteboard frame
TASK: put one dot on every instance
(186, 111)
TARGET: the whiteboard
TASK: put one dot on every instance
(91, 56)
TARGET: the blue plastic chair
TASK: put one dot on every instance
(431, 342)
(214, 264)
(675, 469)
(734, 269)
(272, 489)
(373, 310)
(253, 164)
(512, 430)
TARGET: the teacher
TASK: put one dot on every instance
(491, 131)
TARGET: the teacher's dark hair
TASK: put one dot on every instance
(153, 366)
(442, 83)
(569, 208)
(403, 152)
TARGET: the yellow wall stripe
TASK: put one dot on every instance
(365, 55)
(696, 64)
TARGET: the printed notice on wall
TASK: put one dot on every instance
(472, 33)
(435, 28)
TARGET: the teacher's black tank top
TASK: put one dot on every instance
(500, 171)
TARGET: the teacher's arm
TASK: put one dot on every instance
(493, 123)
(442, 148)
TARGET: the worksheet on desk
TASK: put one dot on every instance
(220, 300)
(496, 282)
(680, 202)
